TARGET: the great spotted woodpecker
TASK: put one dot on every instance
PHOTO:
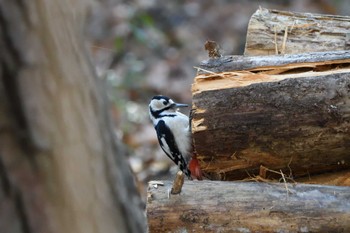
(172, 129)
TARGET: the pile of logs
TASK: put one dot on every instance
(288, 112)
(279, 113)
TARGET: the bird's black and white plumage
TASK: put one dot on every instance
(172, 129)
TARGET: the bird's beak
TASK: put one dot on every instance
(177, 105)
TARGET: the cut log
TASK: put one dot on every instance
(280, 32)
(277, 64)
(249, 207)
(278, 116)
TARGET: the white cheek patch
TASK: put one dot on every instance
(166, 147)
(159, 105)
(156, 104)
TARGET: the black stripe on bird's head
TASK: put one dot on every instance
(160, 103)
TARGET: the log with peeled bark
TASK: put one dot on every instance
(208, 206)
(280, 32)
(288, 113)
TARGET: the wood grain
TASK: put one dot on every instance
(206, 206)
(280, 32)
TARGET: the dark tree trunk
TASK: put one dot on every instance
(60, 168)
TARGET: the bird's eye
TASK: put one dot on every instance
(165, 102)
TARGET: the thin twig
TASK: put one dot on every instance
(285, 183)
(283, 50)
(207, 71)
(276, 47)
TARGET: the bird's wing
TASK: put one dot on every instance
(168, 144)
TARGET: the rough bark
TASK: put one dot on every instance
(280, 32)
(60, 169)
(249, 207)
(280, 117)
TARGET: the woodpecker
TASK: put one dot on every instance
(172, 129)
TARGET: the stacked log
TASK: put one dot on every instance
(287, 112)
(281, 112)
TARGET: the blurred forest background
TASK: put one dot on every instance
(146, 47)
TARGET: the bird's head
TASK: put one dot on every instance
(160, 104)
